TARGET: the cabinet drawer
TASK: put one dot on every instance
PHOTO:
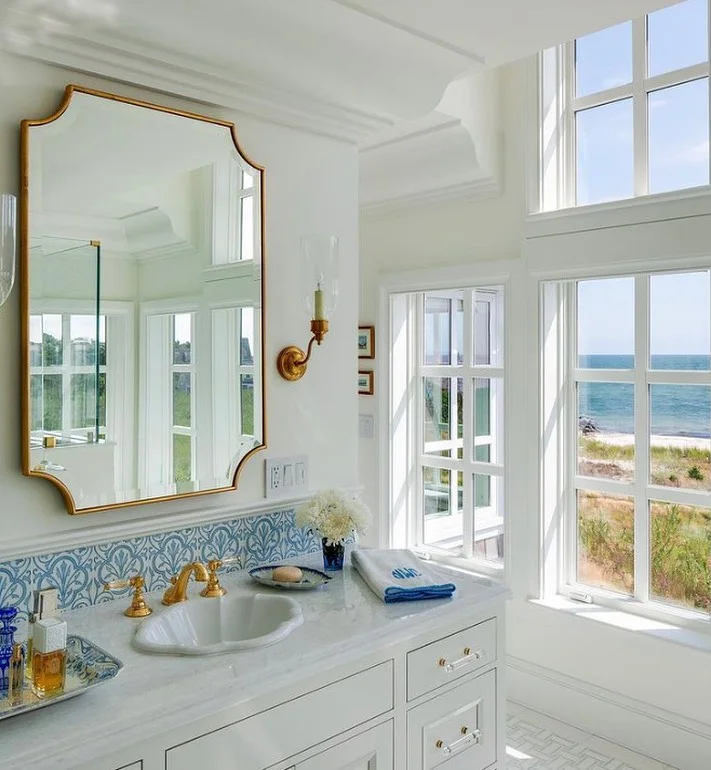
(447, 659)
(287, 729)
(456, 729)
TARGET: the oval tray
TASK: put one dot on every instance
(87, 666)
(312, 577)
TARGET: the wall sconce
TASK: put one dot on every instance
(8, 228)
(319, 270)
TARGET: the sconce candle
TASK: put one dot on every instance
(320, 276)
(318, 304)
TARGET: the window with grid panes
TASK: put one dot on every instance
(625, 110)
(636, 381)
(66, 357)
(456, 408)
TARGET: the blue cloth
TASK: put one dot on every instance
(397, 575)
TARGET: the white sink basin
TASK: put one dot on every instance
(207, 626)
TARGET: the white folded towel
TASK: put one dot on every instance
(399, 576)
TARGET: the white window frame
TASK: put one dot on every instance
(556, 107)
(401, 487)
(191, 369)
(560, 480)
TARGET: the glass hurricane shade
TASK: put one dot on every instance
(319, 271)
(8, 229)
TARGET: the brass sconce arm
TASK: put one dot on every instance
(292, 360)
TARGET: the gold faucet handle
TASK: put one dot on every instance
(213, 589)
(138, 607)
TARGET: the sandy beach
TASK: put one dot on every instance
(678, 442)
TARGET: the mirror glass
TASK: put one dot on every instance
(142, 272)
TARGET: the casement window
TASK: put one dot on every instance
(68, 377)
(626, 380)
(624, 111)
(447, 411)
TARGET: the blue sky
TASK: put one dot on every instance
(680, 309)
(680, 315)
(678, 115)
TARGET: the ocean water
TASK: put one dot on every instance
(675, 410)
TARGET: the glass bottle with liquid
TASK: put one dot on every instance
(49, 657)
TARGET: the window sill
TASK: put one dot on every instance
(695, 201)
(628, 621)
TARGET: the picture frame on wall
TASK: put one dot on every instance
(365, 383)
(366, 342)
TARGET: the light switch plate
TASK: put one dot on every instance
(286, 476)
(366, 426)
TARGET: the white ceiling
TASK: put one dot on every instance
(501, 31)
(347, 68)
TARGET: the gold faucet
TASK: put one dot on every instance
(178, 590)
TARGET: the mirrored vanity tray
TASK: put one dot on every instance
(87, 667)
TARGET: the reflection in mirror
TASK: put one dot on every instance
(143, 299)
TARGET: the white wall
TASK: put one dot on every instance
(647, 692)
(311, 186)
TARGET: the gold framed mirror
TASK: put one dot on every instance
(142, 241)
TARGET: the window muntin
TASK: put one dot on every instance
(455, 399)
(625, 111)
(639, 468)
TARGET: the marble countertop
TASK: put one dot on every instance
(343, 620)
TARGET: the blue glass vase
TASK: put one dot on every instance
(7, 638)
(333, 554)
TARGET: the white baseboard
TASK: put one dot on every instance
(662, 735)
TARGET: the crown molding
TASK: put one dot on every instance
(187, 78)
(454, 153)
(474, 190)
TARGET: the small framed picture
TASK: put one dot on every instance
(365, 383)
(366, 342)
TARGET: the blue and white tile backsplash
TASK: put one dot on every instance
(80, 573)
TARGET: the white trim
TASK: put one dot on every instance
(649, 730)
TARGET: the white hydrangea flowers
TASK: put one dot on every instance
(334, 515)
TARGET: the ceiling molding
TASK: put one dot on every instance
(471, 55)
(191, 79)
(454, 153)
(474, 190)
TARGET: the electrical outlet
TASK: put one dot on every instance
(286, 476)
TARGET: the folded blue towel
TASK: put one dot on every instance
(399, 576)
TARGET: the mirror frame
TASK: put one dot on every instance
(25, 127)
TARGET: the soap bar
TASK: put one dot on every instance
(287, 575)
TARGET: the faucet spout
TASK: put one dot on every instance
(178, 590)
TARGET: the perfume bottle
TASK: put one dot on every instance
(17, 676)
(7, 639)
(49, 657)
(45, 604)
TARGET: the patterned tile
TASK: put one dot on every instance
(81, 572)
(536, 742)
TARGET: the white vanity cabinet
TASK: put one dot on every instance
(358, 686)
(371, 750)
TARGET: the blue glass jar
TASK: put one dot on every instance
(7, 639)
(333, 554)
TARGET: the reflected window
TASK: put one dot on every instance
(68, 358)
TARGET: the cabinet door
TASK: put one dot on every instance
(372, 750)
(456, 729)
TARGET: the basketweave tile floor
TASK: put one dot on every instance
(537, 742)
